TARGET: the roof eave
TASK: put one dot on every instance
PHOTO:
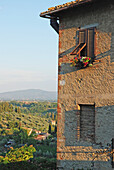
(54, 13)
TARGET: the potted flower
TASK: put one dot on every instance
(74, 62)
(82, 62)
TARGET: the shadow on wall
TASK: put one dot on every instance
(102, 48)
(88, 126)
(84, 150)
(84, 165)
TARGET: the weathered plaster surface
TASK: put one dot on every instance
(92, 85)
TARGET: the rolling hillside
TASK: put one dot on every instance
(31, 94)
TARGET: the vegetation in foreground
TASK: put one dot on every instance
(24, 151)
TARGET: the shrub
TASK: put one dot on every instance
(47, 154)
(19, 154)
(40, 152)
(45, 163)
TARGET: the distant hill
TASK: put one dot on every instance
(31, 94)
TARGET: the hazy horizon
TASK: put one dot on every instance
(26, 90)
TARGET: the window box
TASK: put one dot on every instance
(84, 51)
(82, 62)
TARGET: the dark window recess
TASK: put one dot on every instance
(82, 40)
(85, 43)
(87, 123)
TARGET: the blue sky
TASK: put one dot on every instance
(28, 46)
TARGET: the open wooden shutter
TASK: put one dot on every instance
(90, 42)
(77, 37)
(81, 37)
(81, 43)
(80, 47)
(85, 46)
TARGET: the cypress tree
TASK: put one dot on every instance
(52, 116)
(16, 109)
(49, 131)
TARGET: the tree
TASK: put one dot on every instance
(1, 110)
(19, 125)
(56, 118)
(21, 136)
(49, 128)
(0, 117)
(19, 154)
(16, 125)
(18, 110)
(11, 124)
(52, 116)
(6, 106)
(0, 126)
(11, 108)
(55, 131)
(49, 114)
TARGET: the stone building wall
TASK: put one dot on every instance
(92, 85)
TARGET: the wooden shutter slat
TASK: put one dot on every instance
(82, 37)
(90, 43)
(80, 46)
(77, 37)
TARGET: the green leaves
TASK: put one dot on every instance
(23, 153)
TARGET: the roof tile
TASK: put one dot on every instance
(62, 6)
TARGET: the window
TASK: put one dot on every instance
(87, 122)
(85, 43)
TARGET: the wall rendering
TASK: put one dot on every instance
(90, 88)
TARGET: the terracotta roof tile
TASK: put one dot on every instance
(68, 4)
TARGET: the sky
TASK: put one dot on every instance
(28, 46)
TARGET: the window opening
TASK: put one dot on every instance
(87, 123)
(85, 45)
